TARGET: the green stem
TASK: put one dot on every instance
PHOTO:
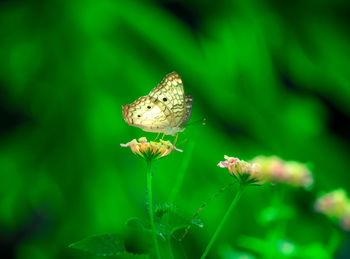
(222, 222)
(150, 209)
(336, 239)
(170, 249)
(171, 256)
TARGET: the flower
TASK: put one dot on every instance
(230, 161)
(292, 173)
(150, 150)
(333, 204)
(345, 220)
(242, 171)
(336, 206)
(299, 174)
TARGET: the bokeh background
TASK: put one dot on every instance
(270, 77)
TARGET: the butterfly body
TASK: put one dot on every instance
(164, 110)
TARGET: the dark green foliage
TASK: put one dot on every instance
(270, 77)
(105, 245)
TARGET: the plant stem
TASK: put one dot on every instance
(171, 256)
(150, 209)
(222, 222)
(168, 238)
(336, 239)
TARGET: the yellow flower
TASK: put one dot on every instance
(150, 150)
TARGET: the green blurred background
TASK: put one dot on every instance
(270, 77)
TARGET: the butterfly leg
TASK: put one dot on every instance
(162, 136)
(177, 135)
(157, 136)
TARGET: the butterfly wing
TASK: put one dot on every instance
(171, 92)
(166, 109)
(189, 102)
(148, 114)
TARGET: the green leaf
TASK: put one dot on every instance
(101, 245)
(135, 223)
(137, 235)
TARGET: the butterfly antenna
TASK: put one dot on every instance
(177, 135)
(203, 206)
(202, 121)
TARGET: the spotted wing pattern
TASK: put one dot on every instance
(165, 109)
(171, 92)
(152, 120)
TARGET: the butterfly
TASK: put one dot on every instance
(166, 109)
